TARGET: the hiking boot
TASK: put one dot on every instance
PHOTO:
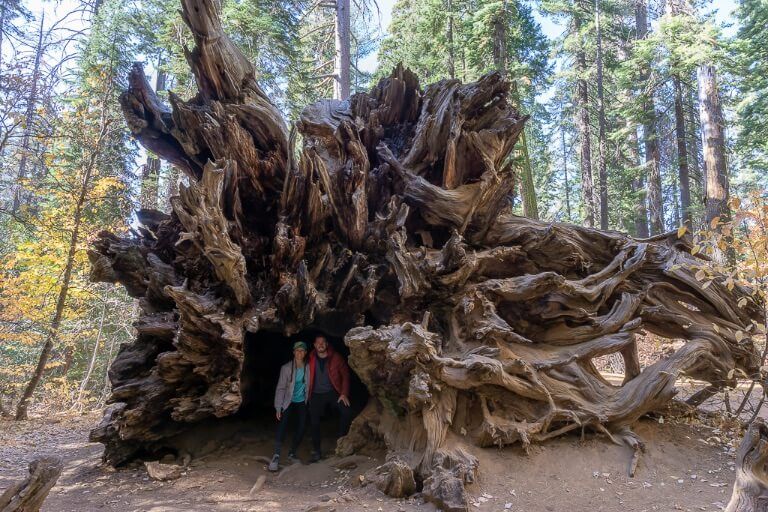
(274, 465)
(315, 457)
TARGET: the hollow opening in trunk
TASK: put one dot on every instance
(252, 429)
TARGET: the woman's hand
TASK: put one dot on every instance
(278, 414)
(343, 399)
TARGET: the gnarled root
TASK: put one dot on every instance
(750, 491)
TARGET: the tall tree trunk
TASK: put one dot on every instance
(638, 189)
(527, 185)
(500, 50)
(683, 207)
(682, 153)
(639, 211)
(601, 167)
(29, 116)
(565, 167)
(650, 140)
(713, 142)
(449, 37)
(53, 330)
(151, 170)
(173, 186)
(694, 141)
(582, 121)
(343, 44)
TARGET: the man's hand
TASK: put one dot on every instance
(278, 414)
(343, 399)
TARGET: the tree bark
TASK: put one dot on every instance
(565, 168)
(601, 165)
(713, 142)
(682, 154)
(650, 138)
(343, 46)
(392, 229)
(29, 495)
(582, 121)
(500, 50)
(527, 185)
(694, 141)
(750, 490)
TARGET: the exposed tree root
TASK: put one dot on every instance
(750, 491)
(467, 324)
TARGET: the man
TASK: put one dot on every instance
(291, 400)
(328, 385)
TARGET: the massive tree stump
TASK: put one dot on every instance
(391, 226)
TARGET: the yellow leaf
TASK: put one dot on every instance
(681, 231)
(742, 303)
(714, 222)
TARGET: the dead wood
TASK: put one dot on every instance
(750, 490)
(29, 495)
(392, 228)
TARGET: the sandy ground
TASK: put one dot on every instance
(687, 466)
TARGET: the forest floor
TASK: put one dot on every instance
(688, 466)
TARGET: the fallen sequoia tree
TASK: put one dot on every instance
(390, 227)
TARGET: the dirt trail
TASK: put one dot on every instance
(686, 467)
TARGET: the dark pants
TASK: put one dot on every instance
(299, 410)
(318, 402)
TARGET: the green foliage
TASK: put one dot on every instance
(751, 62)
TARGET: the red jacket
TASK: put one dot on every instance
(338, 371)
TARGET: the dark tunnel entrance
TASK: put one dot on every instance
(252, 429)
(264, 354)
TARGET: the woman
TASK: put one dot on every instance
(290, 401)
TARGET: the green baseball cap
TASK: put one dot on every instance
(301, 345)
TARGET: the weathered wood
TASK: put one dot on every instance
(750, 490)
(29, 495)
(391, 227)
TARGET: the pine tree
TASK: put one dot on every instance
(751, 60)
(650, 134)
(713, 138)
